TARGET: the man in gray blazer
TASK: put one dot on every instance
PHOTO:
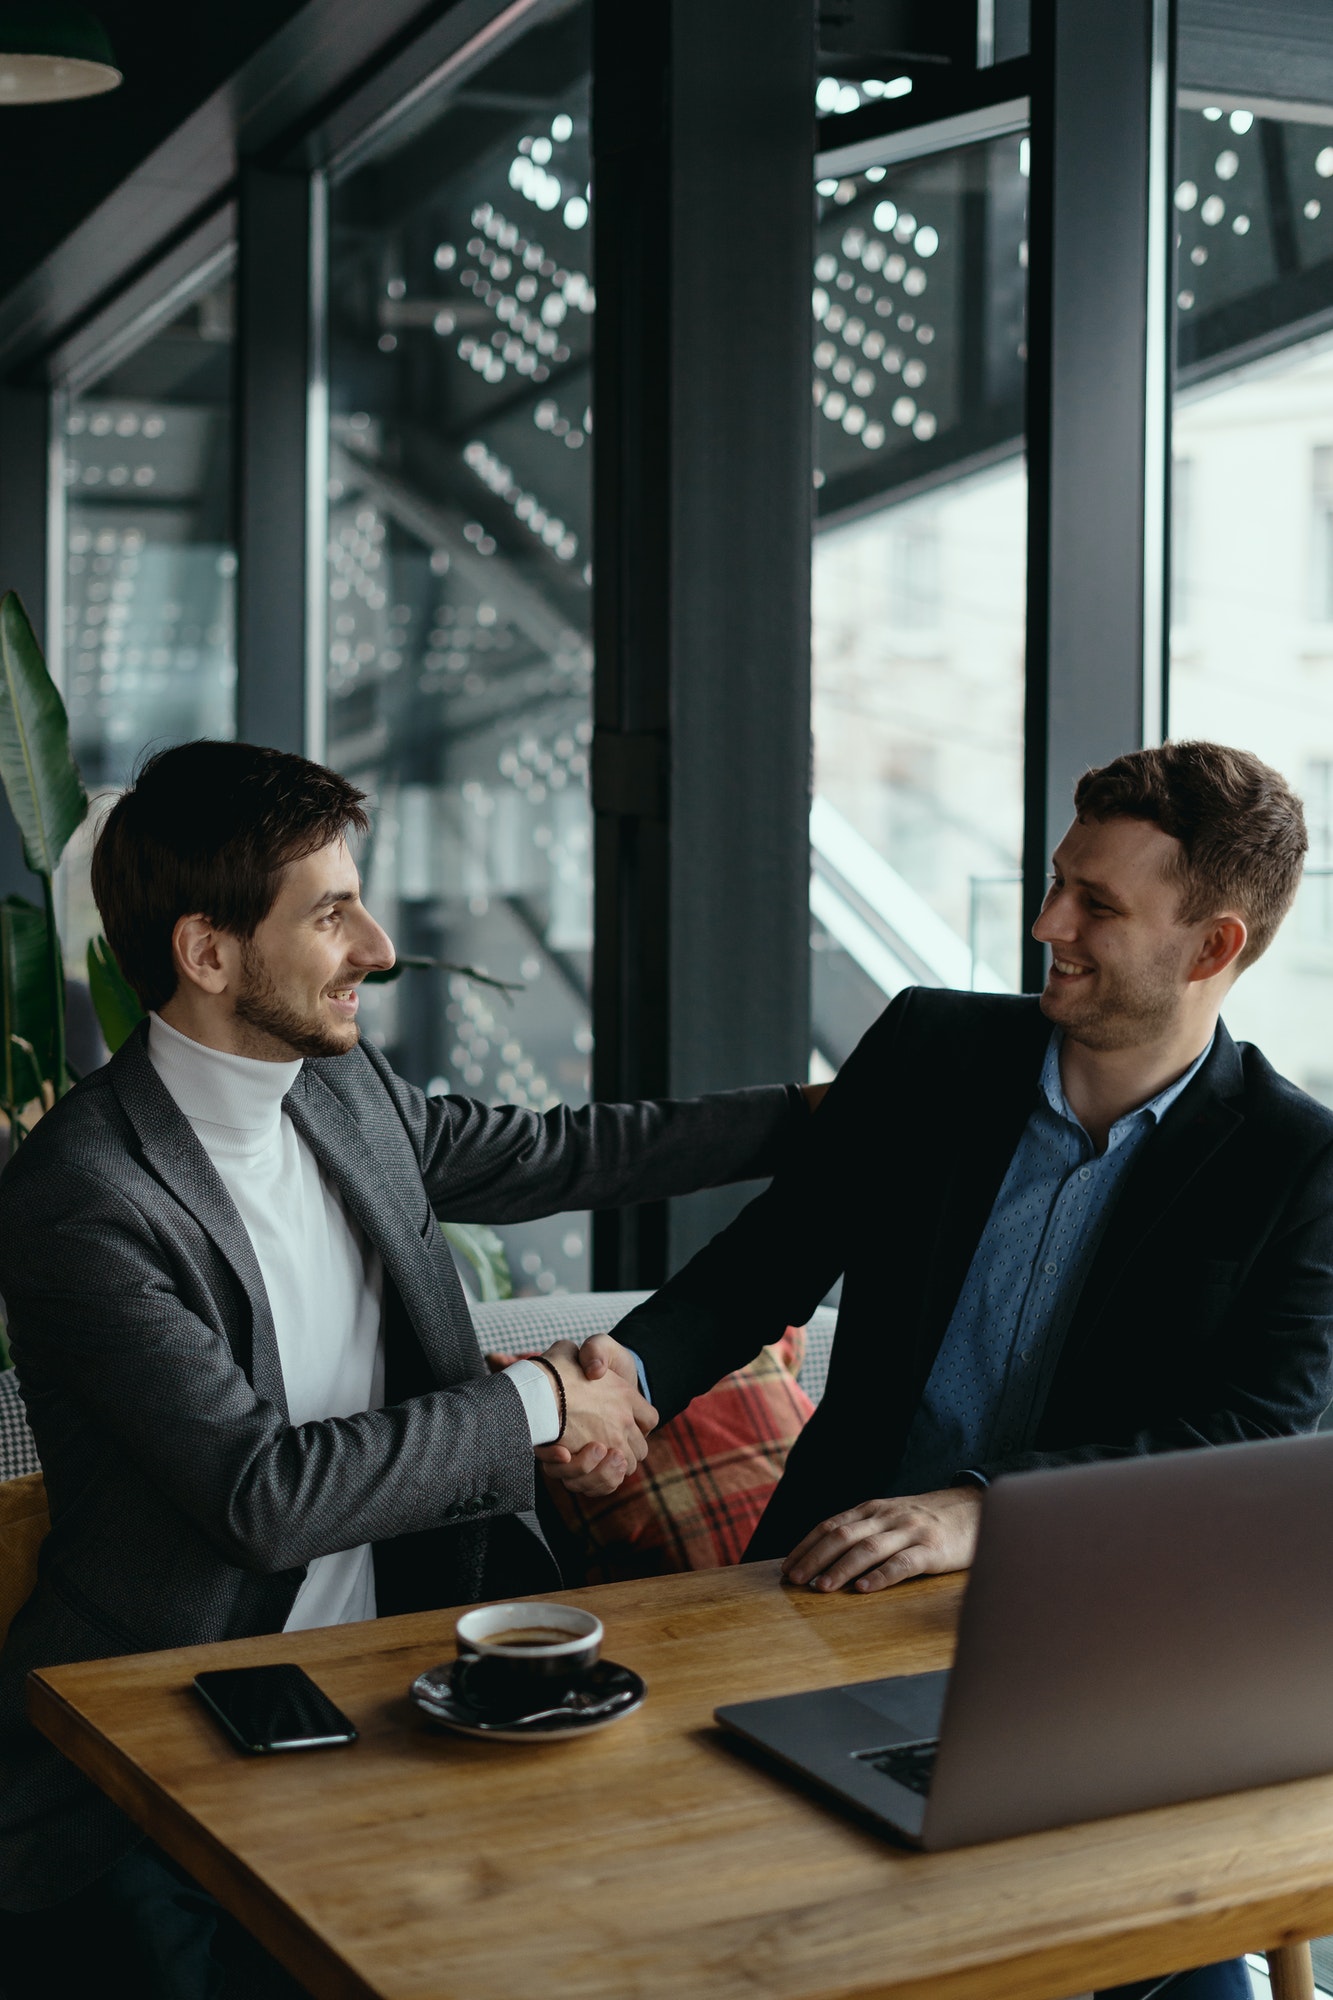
(245, 1352)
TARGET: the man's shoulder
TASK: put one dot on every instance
(359, 1072)
(86, 1132)
(1271, 1098)
(90, 1112)
(367, 1086)
(963, 1020)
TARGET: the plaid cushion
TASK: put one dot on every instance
(18, 1453)
(696, 1499)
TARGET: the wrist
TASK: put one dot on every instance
(562, 1401)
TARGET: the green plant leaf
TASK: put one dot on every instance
(485, 1253)
(37, 768)
(115, 1001)
(27, 1004)
(26, 1071)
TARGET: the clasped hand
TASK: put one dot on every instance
(607, 1420)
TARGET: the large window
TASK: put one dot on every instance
(916, 835)
(147, 637)
(1252, 639)
(459, 574)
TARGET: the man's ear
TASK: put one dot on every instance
(1223, 942)
(202, 954)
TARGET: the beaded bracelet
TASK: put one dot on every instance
(555, 1376)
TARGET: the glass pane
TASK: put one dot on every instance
(148, 638)
(459, 662)
(919, 579)
(1252, 624)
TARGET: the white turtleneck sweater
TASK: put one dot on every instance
(323, 1278)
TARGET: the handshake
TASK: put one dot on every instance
(607, 1420)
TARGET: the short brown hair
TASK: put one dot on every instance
(208, 828)
(1240, 826)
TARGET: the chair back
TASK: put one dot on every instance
(24, 1522)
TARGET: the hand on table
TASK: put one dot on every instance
(606, 1418)
(886, 1541)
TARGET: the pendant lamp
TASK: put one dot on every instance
(50, 50)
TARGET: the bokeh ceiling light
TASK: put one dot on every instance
(50, 51)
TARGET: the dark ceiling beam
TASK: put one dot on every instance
(1277, 50)
(325, 55)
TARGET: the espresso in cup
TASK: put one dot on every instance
(520, 1657)
(535, 1635)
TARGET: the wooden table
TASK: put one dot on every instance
(654, 1862)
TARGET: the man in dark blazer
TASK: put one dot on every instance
(1193, 1306)
(1083, 1226)
(199, 1488)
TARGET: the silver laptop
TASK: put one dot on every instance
(1133, 1633)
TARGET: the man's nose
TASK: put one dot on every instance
(374, 949)
(1055, 920)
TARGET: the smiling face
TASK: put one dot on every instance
(295, 987)
(1123, 966)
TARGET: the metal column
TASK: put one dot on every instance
(1099, 402)
(279, 376)
(703, 134)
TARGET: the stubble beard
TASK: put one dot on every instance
(262, 1008)
(1129, 1011)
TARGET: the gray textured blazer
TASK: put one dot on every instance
(184, 1505)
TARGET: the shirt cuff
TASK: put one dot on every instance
(540, 1407)
(643, 1376)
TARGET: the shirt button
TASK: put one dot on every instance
(1085, 1173)
(1025, 1354)
(1050, 1269)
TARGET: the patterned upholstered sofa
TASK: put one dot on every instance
(514, 1326)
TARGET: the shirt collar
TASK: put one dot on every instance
(215, 1088)
(1153, 1111)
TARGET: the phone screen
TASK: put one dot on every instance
(273, 1708)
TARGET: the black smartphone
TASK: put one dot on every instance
(272, 1708)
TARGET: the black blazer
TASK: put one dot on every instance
(1206, 1318)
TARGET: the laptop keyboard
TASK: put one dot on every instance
(910, 1764)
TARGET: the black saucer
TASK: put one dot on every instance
(597, 1699)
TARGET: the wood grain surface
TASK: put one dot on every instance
(653, 1861)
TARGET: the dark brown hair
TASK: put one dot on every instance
(1240, 826)
(207, 829)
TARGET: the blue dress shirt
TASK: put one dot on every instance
(991, 1377)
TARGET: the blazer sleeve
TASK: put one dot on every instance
(773, 1265)
(97, 1318)
(496, 1163)
(1267, 1369)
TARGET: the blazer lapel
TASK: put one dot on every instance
(1200, 1121)
(359, 1173)
(999, 1092)
(175, 1155)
